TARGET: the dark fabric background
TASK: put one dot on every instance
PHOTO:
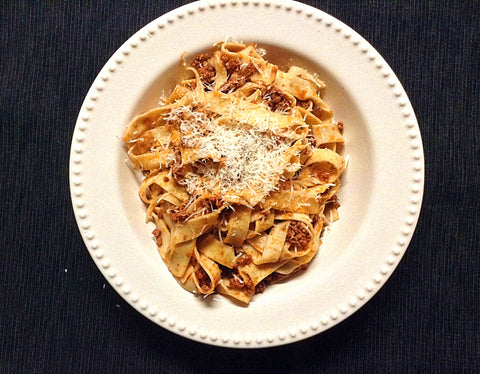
(59, 315)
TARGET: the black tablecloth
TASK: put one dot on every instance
(59, 315)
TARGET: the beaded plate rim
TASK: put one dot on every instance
(303, 330)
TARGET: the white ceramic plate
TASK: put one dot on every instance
(381, 189)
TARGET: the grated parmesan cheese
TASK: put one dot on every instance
(244, 157)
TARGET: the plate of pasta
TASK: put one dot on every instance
(229, 190)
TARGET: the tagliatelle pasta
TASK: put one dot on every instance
(241, 171)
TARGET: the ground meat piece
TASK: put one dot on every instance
(276, 99)
(248, 285)
(158, 238)
(238, 77)
(317, 112)
(324, 176)
(240, 283)
(179, 214)
(200, 60)
(243, 260)
(177, 172)
(297, 235)
(305, 104)
(177, 166)
(205, 70)
(203, 278)
(231, 64)
(340, 126)
(308, 104)
(248, 70)
(212, 203)
(260, 287)
(333, 202)
(236, 282)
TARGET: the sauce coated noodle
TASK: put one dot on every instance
(241, 169)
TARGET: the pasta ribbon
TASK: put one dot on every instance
(242, 167)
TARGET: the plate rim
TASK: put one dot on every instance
(79, 203)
